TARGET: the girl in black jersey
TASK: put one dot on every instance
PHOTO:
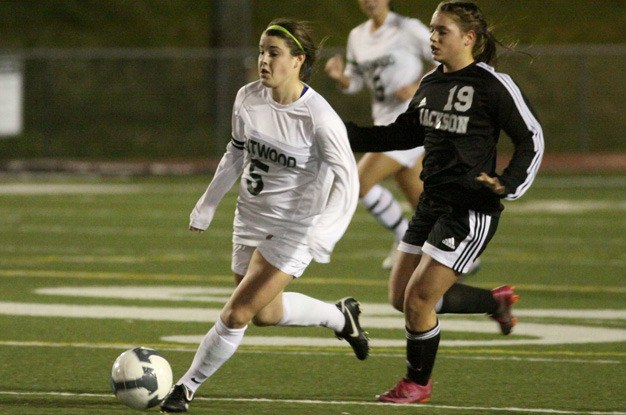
(457, 114)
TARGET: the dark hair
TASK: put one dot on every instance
(469, 17)
(303, 33)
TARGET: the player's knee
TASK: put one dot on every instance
(263, 320)
(396, 301)
(267, 317)
(235, 318)
(415, 304)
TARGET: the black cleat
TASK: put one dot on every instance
(178, 400)
(352, 331)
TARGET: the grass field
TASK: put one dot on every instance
(90, 267)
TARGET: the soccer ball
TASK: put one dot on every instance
(141, 378)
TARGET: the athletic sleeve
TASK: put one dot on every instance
(421, 39)
(226, 174)
(351, 70)
(335, 152)
(519, 122)
(403, 134)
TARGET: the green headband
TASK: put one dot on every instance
(287, 32)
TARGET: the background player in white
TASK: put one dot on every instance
(387, 54)
(297, 194)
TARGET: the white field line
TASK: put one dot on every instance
(312, 352)
(565, 206)
(42, 187)
(582, 181)
(314, 402)
(374, 316)
(308, 280)
(208, 294)
(503, 256)
(67, 189)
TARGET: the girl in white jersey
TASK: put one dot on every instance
(387, 54)
(297, 194)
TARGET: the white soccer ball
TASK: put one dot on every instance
(141, 378)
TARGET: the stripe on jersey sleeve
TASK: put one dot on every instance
(531, 123)
(237, 144)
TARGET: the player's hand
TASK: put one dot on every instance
(193, 229)
(334, 67)
(491, 182)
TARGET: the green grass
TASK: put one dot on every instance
(562, 246)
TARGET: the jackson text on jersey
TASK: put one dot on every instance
(444, 121)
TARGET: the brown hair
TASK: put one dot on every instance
(303, 33)
(469, 17)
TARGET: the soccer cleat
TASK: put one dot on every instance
(505, 297)
(391, 257)
(407, 391)
(178, 400)
(352, 331)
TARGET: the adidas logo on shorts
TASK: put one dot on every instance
(449, 242)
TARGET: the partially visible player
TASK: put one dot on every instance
(388, 54)
(297, 194)
(457, 115)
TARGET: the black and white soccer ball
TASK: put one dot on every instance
(141, 378)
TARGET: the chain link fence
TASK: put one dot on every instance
(176, 103)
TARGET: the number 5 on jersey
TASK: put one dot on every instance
(255, 182)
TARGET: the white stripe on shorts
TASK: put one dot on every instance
(467, 251)
(479, 229)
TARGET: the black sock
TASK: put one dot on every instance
(421, 350)
(465, 299)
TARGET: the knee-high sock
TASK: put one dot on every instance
(386, 209)
(465, 299)
(302, 310)
(218, 345)
(421, 350)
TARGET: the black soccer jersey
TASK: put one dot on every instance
(458, 117)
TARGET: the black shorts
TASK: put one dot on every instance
(451, 235)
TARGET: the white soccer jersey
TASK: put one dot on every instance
(385, 60)
(299, 181)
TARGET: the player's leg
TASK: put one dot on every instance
(409, 182)
(296, 309)
(379, 201)
(426, 286)
(405, 265)
(260, 286)
(458, 248)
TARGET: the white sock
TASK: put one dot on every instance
(301, 310)
(386, 209)
(217, 346)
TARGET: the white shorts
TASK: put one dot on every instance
(408, 158)
(294, 263)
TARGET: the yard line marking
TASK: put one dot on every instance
(525, 334)
(309, 280)
(212, 295)
(66, 189)
(336, 403)
(444, 354)
(565, 206)
(577, 182)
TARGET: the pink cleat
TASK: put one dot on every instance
(505, 297)
(407, 391)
